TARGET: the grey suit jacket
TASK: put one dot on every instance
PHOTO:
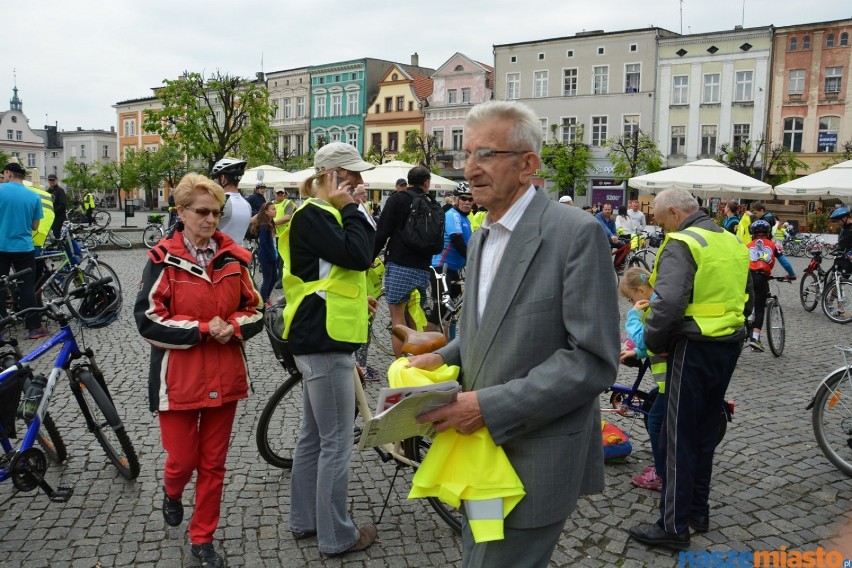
(547, 346)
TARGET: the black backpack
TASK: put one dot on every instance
(423, 230)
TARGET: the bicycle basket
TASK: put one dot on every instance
(155, 218)
(273, 322)
(100, 307)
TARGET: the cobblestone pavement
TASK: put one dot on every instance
(771, 487)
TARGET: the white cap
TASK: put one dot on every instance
(566, 199)
(340, 155)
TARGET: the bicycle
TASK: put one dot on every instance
(440, 299)
(27, 465)
(156, 229)
(93, 238)
(837, 295)
(77, 215)
(832, 414)
(774, 320)
(279, 422)
(812, 284)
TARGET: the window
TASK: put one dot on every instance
(352, 106)
(300, 107)
(793, 44)
(82, 150)
(74, 151)
(833, 77)
(400, 103)
(459, 68)
(793, 130)
(601, 80)
(569, 129)
(452, 96)
(352, 138)
(388, 104)
(513, 59)
(539, 84)
(844, 39)
(299, 146)
(376, 143)
(796, 82)
(54, 154)
(410, 106)
(741, 135)
(806, 42)
(599, 124)
(19, 135)
(335, 136)
(633, 47)
(680, 90)
(708, 140)
(438, 135)
(31, 160)
(458, 138)
(337, 104)
(513, 86)
(828, 128)
(711, 88)
(543, 123)
(743, 86)
(569, 82)
(631, 124)
(541, 57)
(829, 40)
(319, 106)
(601, 51)
(288, 107)
(465, 95)
(130, 127)
(569, 53)
(632, 76)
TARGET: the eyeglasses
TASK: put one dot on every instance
(465, 198)
(205, 212)
(480, 156)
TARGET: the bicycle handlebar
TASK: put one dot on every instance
(50, 308)
(6, 280)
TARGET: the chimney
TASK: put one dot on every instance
(79, 129)
(259, 76)
(415, 60)
(112, 128)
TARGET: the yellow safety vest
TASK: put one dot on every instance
(281, 211)
(88, 201)
(742, 229)
(458, 467)
(40, 234)
(345, 291)
(659, 365)
(476, 219)
(718, 296)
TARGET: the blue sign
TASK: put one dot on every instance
(827, 139)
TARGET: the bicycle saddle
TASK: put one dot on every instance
(419, 342)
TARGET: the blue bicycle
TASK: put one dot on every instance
(27, 464)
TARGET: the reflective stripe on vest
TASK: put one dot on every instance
(485, 518)
(718, 296)
(346, 291)
(659, 365)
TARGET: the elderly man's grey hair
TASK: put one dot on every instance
(676, 198)
(526, 135)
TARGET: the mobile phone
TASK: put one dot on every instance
(334, 180)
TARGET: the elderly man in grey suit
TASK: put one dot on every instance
(539, 337)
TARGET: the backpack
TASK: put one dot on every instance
(616, 443)
(423, 229)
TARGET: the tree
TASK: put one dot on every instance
(209, 119)
(843, 154)
(173, 164)
(567, 165)
(115, 176)
(781, 165)
(743, 157)
(634, 154)
(145, 169)
(81, 176)
(421, 149)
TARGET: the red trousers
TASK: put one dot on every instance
(198, 440)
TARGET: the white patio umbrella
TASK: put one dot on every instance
(706, 178)
(835, 181)
(295, 179)
(384, 176)
(270, 175)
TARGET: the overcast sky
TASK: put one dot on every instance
(74, 60)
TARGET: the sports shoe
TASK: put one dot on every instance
(37, 333)
(208, 555)
(756, 345)
(371, 374)
(172, 510)
(648, 480)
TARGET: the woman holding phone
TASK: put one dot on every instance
(326, 249)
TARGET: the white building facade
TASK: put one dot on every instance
(289, 92)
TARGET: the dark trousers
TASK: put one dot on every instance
(760, 280)
(269, 271)
(90, 216)
(698, 376)
(56, 228)
(26, 285)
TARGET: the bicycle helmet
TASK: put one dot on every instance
(462, 189)
(231, 167)
(259, 185)
(759, 226)
(839, 213)
(100, 307)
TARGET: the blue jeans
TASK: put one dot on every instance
(656, 415)
(269, 270)
(320, 478)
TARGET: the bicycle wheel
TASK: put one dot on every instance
(51, 441)
(103, 421)
(76, 216)
(832, 419)
(152, 235)
(809, 291)
(775, 327)
(90, 242)
(837, 301)
(638, 261)
(278, 425)
(102, 217)
(119, 240)
(99, 269)
(415, 449)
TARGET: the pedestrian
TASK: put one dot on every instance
(453, 256)
(20, 214)
(196, 306)
(401, 184)
(731, 220)
(60, 205)
(236, 212)
(326, 252)
(258, 198)
(535, 354)
(697, 319)
(263, 228)
(636, 215)
(406, 269)
(89, 207)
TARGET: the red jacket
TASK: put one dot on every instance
(176, 301)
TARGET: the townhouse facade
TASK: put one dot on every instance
(811, 98)
(130, 115)
(602, 84)
(399, 108)
(90, 146)
(17, 139)
(289, 92)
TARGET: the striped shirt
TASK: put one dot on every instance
(496, 239)
(202, 256)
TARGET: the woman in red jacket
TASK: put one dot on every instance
(196, 306)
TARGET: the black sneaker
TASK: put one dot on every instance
(172, 510)
(208, 555)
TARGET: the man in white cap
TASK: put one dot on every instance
(567, 200)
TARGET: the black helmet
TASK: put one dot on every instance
(759, 226)
(231, 167)
(839, 213)
(100, 307)
(462, 189)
